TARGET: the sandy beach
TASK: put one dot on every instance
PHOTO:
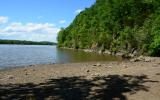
(83, 81)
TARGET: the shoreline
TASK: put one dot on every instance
(155, 61)
(122, 54)
(86, 77)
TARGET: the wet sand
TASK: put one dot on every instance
(83, 81)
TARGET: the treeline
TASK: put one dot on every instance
(116, 25)
(23, 42)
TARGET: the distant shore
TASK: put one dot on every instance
(24, 42)
(133, 80)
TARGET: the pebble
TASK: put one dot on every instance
(158, 63)
(26, 73)
(116, 98)
(50, 98)
(125, 66)
(157, 73)
(134, 60)
(98, 64)
(141, 58)
(110, 66)
(155, 65)
(10, 76)
(96, 88)
(96, 74)
(147, 59)
(88, 71)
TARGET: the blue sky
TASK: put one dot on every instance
(37, 20)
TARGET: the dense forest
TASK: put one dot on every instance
(26, 42)
(116, 25)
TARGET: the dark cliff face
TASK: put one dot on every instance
(116, 25)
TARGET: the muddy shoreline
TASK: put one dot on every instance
(123, 80)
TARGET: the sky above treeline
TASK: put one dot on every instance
(37, 20)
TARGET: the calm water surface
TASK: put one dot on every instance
(21, 55)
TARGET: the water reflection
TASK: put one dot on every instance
(21, 55)
(66, 55)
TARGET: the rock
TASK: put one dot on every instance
(134, 60)
(147, 59)
(25, 70)
(88, 71)
(98, 64)
(126, 56)
(110, 66)
(94, 88)
(101, 81)
(95, 74)
(119, 54)
(10, 77)
(88, 50)
(155, 65)
(135, 52)
(26, 73)
(94, 65)
(116, 98)
(131, 55)
(100, 51)
(51, 98)
(107, 52)
(140, 58)
(125, 66)
(157, 73)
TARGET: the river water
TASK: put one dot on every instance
(23, 55)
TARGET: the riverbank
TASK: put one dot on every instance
(120, 54)
(95, 80)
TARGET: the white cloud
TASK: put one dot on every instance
(78, 11)
(3, 19)
(62, 21)
(30, 31)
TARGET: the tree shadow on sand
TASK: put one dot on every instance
(77, 88)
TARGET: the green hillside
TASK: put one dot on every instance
(116, 25)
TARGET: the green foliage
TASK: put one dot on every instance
(155, 47)
(116, 25)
